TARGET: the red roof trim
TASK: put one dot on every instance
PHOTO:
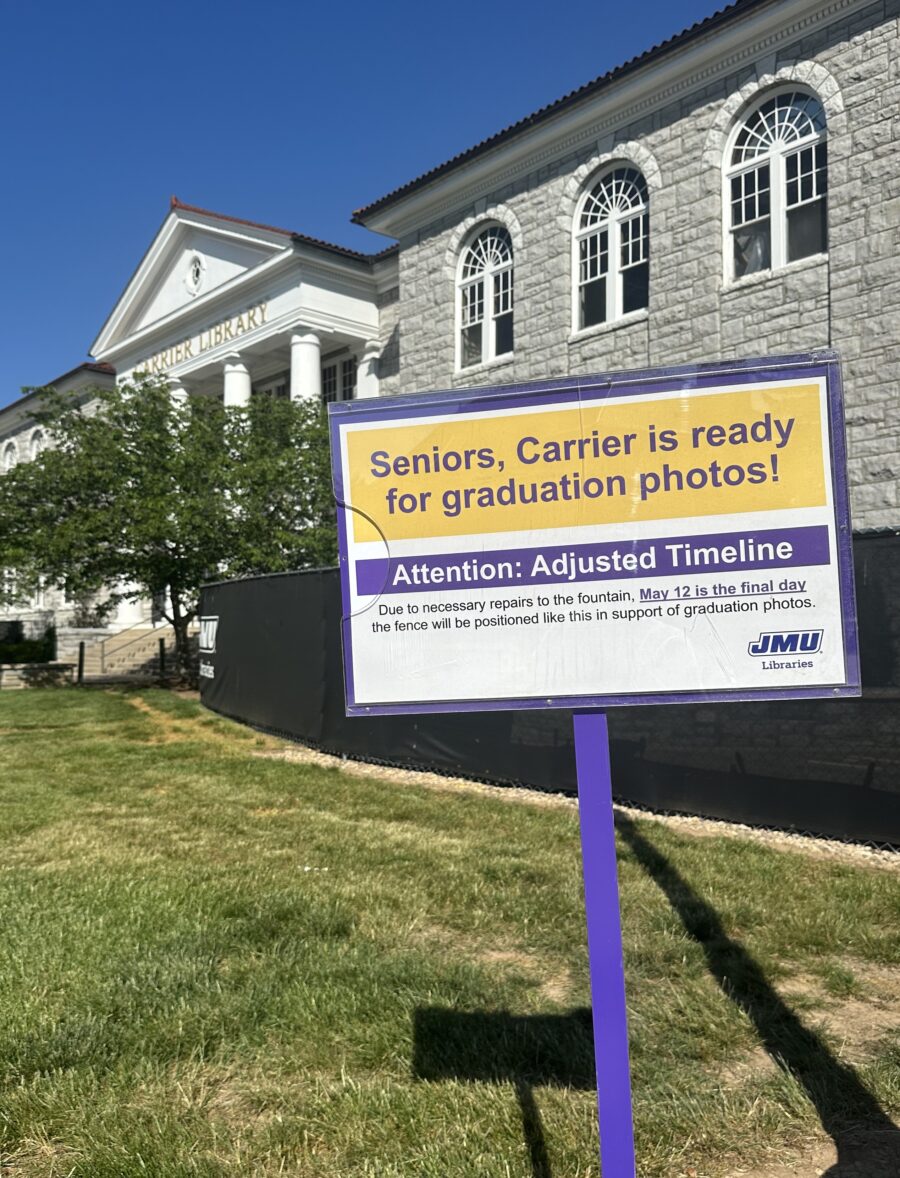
(303, 238)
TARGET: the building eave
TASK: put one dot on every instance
(719, 44)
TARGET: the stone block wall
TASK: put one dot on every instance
(848, 299)
(14, 677)
(68, 639)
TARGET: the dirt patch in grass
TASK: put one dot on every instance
(855, 1155)
(554, 982)
(169, 729)
(855, 1021)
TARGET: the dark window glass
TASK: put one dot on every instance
(822, 168)
(593, 302)
(752, 249)
(635, 288)
(806, 231)
(503, 340)
(471, 345)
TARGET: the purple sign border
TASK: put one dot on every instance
(823, 363)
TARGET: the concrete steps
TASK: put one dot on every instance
(134, 651)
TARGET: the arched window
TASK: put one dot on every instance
(776, 180)
(10, 457)
(38, 443)
(612, 248)
(486, 298)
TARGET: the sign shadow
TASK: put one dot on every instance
(525, 1051)
(867, 1140)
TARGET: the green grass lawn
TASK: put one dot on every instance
(218, 962)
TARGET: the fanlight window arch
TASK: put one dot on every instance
(612, 248)
(10, 456)
(38, 443)
(776, 181)
(485, 300)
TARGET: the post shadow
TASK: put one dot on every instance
(498, 1047)
(849, 1112)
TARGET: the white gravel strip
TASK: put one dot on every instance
(703, 827)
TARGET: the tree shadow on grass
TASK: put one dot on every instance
(497, 1047)
(867, 1140)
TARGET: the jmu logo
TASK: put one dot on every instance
(787, 642)
(208, 628)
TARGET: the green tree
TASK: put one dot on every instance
(140, 496)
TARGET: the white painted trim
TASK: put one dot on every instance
(460, 240)
(175, 226)
(576, 194)
(200, 307)
(739, 108)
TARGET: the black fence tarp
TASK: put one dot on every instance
(828, 767)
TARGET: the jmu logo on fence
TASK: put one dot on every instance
(787, 642)
(208, 628)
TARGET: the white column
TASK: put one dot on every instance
(177, 392)
(237, 381)
(367, 372)
(306, 366)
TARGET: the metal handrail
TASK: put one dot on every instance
(165, 628)
(134, 626)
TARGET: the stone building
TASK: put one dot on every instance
(21, 439)
(732, 192)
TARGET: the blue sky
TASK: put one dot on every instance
(288, 113)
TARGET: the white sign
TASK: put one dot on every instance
(649, 539)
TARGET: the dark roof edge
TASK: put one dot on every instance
(88, 365)
(573, 98)
(300, 238)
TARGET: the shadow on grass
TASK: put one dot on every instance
(523, 1051)
(867, 1140)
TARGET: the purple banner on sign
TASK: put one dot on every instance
(664, 556)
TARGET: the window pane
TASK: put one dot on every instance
(471, 345)
(806, 175)
(635, 288)
(503, 338)
(503, 293)
(348, 379)
(593, 256)
(593, 303)
(472, 303)
(752, 248)
(634, 240)
(806, 230)
(329, 383)
(750, 196)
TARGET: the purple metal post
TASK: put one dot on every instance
(604, 929)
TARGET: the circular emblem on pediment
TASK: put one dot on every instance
(196, 272)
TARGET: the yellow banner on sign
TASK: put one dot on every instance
(596, 463)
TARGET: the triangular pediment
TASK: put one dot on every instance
(194, 254)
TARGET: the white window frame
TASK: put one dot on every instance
(10, 457)
(492, 276)
(776, 158)
(278, 387)
(37, 443)
(345, 369)
(613, 227)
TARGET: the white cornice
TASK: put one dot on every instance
(323, 323)
(313, 260)
(720, 52)
(238, 290)
(175, 226)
